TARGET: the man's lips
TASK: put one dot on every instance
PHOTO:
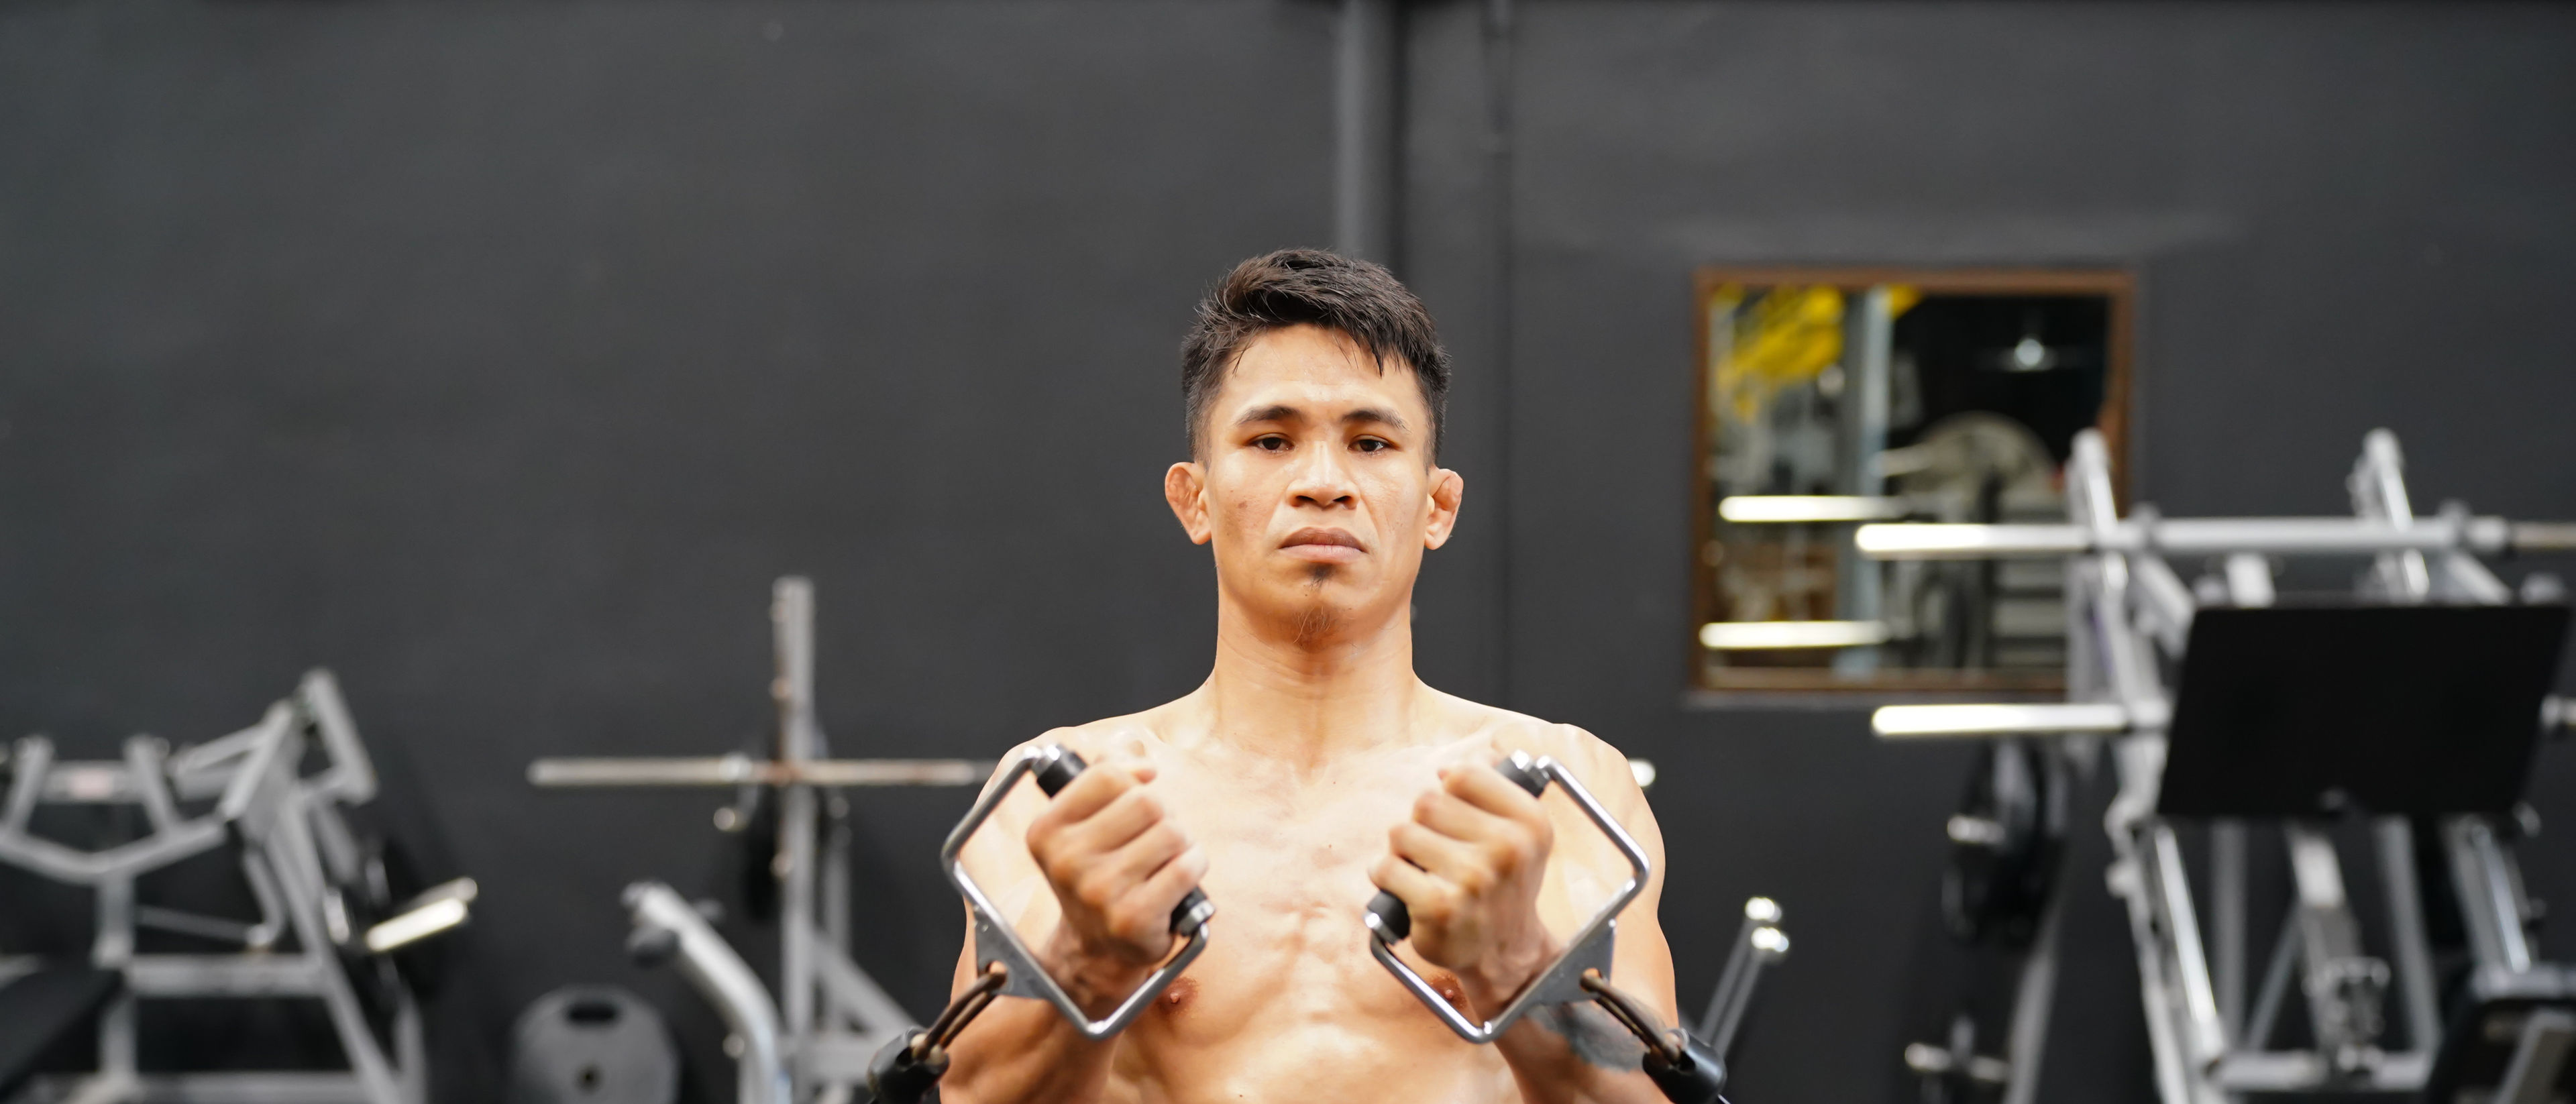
(1323, 546)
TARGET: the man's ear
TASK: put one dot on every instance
(1185, 487)
(1448, 489)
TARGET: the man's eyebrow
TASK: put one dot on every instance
(1275, 412)
(1374, 414)
(1282, 412)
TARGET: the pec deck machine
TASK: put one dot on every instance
(836, 1036)
(337, 924)
(2404, 717)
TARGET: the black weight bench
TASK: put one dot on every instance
(42, 1009)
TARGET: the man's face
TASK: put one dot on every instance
(1314, 481)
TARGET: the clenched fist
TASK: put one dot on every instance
(1468, 866)
(1118, 865)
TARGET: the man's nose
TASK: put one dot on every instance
(1321, 479)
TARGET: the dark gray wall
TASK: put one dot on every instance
(498, 355)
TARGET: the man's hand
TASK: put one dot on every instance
(1468, 867)
(1118, 865)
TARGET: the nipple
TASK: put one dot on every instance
(1183, 990)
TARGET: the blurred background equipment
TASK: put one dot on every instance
(2406, 715)
(831, 1017)
(1835, 398)
(336, 924)
(592, 1044)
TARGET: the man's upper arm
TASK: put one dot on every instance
(1643, 961)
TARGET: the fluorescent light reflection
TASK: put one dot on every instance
(438, 910)
(1729, 636)
(1998, 720)
(1760, 509)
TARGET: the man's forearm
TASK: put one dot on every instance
(1576, 1054)
(1023, 1051)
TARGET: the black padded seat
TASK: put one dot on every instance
(41, 1009)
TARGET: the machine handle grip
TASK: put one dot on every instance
(898, 1076)
(1696, 1078)
(1058, 772)
(1386, 912)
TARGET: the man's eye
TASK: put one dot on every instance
(1270, 442)
(1370, 444)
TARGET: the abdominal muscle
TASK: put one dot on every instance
(1287, 1005)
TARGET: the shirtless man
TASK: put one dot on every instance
(1311, 768)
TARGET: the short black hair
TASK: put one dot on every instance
(1293, 287)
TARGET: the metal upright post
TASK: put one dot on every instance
(792, 616)
(1867, 336)
(2227, 922)
(2397, 875)
(114, 950)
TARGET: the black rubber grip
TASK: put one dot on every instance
(896, 1077)
(1696, 1079)
(1058, 773)
(1388, 910)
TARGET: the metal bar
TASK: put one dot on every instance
(2487, 902)
(290, 847)
(2249, 579)
(64, 864)
(2209, 537)
(35, 757)
(2538, 1056)
(737, 770)
(2378, 486)
(2227, 920)
(113, 949)
(728, 983)
(2173, 888)
(1866, 347)
(2343, 986)
(351, 777)
(189, 923)
(223, 976)
(143, 761)
(2414, 954)
(2276, 987)
(2163, 596)
(792, 618)
(2034, 995)
(1758, 911)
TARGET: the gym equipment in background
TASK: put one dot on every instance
(331, 926)
(2418, 704)
(830, 1017)
(592, 1044)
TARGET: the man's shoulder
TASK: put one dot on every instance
(1126, 734)
(1513, 731)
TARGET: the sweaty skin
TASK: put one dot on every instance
(1311, 768)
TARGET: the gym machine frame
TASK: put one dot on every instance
(2127, 605)
(832, 1017)
(297, 854)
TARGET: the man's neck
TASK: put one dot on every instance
(1283, 690)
